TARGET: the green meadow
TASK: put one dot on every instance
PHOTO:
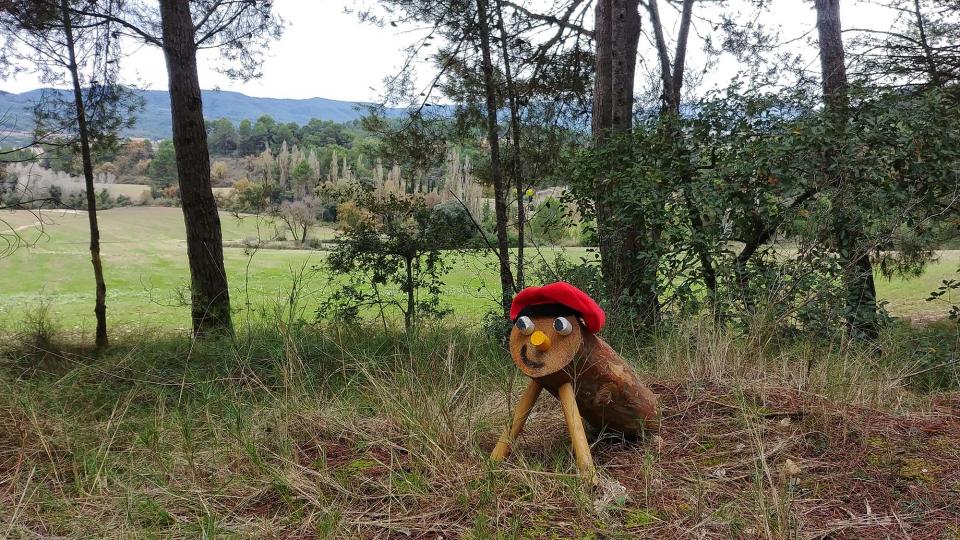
(144, 254)
(145, 265)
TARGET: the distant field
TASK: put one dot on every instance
(134, 192)
(145, 265)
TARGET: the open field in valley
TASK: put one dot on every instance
(144, 260)
(144, 255)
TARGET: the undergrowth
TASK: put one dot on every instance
(302, 431)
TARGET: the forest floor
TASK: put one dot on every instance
(147, 276)
(303, 432)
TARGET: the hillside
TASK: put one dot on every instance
(16, 110)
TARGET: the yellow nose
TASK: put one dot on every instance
(540, 341)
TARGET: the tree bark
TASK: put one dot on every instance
(602, 118)
(210, 294)
(932, 71)
(629, 269)
(496, 171)
(100, 305)
(515, 168)
(854, 254)
(410, 314)
(625, 32)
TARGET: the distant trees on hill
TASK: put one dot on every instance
(251, 138)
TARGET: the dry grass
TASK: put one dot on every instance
(296, 433)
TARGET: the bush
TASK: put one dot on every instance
(38, 327)
(350, 216)
(104, 201)
(450, 219)
(55, 192)
(549, 222)
(392, 262)
(583, 274)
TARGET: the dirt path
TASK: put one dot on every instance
(43, 221)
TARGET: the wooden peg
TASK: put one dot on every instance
(524, 407)
(578, 437)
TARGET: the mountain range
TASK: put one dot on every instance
(153, 121)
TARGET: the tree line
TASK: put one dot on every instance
(251, 138)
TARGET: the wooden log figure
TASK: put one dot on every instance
(554, 342)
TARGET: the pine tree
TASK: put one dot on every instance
(283, 164)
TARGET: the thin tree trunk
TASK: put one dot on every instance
(210, 294)
(515, 170)
(496, 172)
(861, 294)
(931, 62)
(697, 221)
(100, 306)
(410, 314)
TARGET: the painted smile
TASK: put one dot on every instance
(531, 363)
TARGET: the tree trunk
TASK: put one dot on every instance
(100, 306)
(625, 31)
(496, 172)
(933, 73)
(410, 314)
(515, 169)
(210, 294)
(854, 254)
(602, 118)
(629, 271)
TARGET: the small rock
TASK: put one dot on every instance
(609, 491)
(610, 496)
(790, 468)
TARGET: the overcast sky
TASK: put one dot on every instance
(326, 52)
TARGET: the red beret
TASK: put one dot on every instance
(563, 293)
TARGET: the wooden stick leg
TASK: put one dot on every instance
(575, 425)
(529, 397)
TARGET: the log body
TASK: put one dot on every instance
(609, 394)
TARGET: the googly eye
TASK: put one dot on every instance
(525, 325)
(562, 326)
